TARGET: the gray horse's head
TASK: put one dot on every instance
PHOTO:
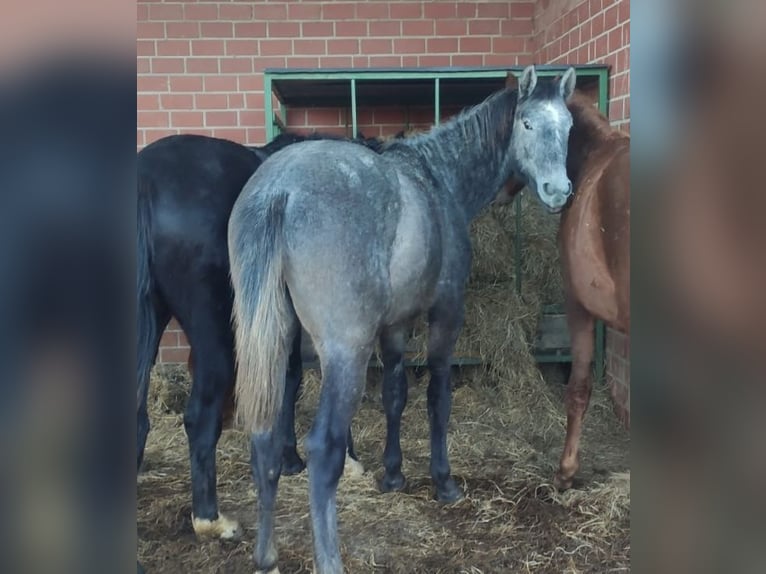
(541, 133)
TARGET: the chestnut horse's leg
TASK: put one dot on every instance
(581, 325)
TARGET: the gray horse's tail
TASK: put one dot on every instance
(147, 323)
(262, 311)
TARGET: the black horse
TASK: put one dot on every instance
(187, 186)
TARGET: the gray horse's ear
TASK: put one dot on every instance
(568, 83)
(527, 82)
(260, 154)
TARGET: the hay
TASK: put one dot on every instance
(506, 434)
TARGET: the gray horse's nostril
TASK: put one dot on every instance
(546, 188)
(569, 189)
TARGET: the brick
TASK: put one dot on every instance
(323, 117)
(494, 9)
(166, 11)
(153, 119)
(611, 17)
(182, 29)
(284, 29)
(624, 10)
(269, 12)
(601, 47)
(500, 60)
(208, 48)
(336, 62)
(212, 30)
(177, 101)
(346, 46)
(524, 10)
(250, 83)
(466, 10)
(385, 28)
(263, 62)
(221, 119)
(147, 30)
(250, 29)
(186, 119)
(385, 61)
(467, 60)
(595, 6)
(174, 355)
(233, 134)
(385, 115)
(482, 27)
(303, 62)
(372, 10)
(239, 11)
(376, 46)
(173, 48)
(598, 25)
(309, 47)
(142, 12)
(434, 60)
(148, 102)
(169, 339)
(255, 136)
(418, 28)
(275, 47)
(451, 27)
(351, 29)
(317, 29)
(409, 46)
(441, 45)
(167, 65)
(475, 44)
(516, 27)
(143, 66)
(440, 10)
(152, 135)
(614, 40)
(202, 65)
(236, 101)
(301, 11)
(236, 65)
(211, 101)
(340, 11)
(220, 84)
(152, 84)
(251, 118)
(207, 12)
(406, 10)
(145, 48)
(242, 47)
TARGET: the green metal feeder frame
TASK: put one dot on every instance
(410, 87)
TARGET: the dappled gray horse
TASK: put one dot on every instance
(364, 243)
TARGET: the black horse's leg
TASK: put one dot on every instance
(445, 321)
(343, 377)
(392, 344)
(213, 362)
(149, 336)
(291, 461)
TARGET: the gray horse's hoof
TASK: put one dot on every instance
(393, 483)
(448, 492)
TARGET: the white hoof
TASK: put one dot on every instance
(222, 527)
(272, 571)
(353, 467)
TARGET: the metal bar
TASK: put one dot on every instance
(267, 107)
(353, 107)
(603, 92)
(437, 102)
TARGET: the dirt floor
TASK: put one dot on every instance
(504, 442)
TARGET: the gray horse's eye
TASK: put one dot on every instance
(527, 125)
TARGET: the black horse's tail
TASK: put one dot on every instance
(147, 327)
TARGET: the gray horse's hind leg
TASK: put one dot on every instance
(445, 320)
(343, 377)
(392, 344)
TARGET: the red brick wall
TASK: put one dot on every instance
(200, 64)
(585, 32)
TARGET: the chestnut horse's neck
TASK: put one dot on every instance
(590, 132)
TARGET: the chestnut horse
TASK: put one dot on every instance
(594, 245)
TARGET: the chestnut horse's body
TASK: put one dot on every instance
(594, 245)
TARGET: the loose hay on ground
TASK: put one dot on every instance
(506, 432)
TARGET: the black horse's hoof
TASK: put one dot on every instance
(392, 483)
(448, 492)
(292, 464)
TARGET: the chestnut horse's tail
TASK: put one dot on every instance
(263, 315)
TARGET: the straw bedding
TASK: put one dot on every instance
(506, 433)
